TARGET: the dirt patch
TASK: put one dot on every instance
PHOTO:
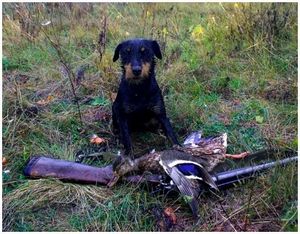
(96, 114)
(285, 92)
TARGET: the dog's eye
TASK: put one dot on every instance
(142, 49)
(128, 49)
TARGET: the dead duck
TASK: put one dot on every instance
(211, 149)
(187, 166)
(184, 170)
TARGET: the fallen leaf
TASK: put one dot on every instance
(50, 98)
(45, 101)
(259, 119)
(170, 214)
(4, 161)
(99, 140)
(96, 140)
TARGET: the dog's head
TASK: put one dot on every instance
(137, 58)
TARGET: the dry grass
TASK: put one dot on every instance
(41, 194)
(226, 68)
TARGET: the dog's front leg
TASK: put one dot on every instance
(168, 130)
(120, 123)
(125, 135)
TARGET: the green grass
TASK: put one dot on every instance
(123, 211)
(226, 68)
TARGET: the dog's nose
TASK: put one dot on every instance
(136, 70)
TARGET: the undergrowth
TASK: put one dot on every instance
(226, 67)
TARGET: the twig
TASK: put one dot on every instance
(248, 205)
(69, 71)
(102, 38)
(239, 210)
(227, 217)
(228, 220)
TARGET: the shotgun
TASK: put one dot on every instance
(228, 178)
(43, 167)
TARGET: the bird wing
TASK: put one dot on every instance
(187, 188)
(207, 178)
(197, 171)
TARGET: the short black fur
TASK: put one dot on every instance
(139, 103)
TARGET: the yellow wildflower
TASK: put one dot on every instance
(148, 14)
(164, 32)
(213, 19)
(197, 33)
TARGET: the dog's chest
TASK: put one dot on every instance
(139, 102)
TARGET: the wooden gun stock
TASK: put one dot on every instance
(43, 167)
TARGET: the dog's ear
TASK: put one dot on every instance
(156, 49)
(117, 52)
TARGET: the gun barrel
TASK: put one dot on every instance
(228, 178)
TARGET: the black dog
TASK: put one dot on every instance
(139, 101)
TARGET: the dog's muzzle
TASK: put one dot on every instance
(137, 70)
